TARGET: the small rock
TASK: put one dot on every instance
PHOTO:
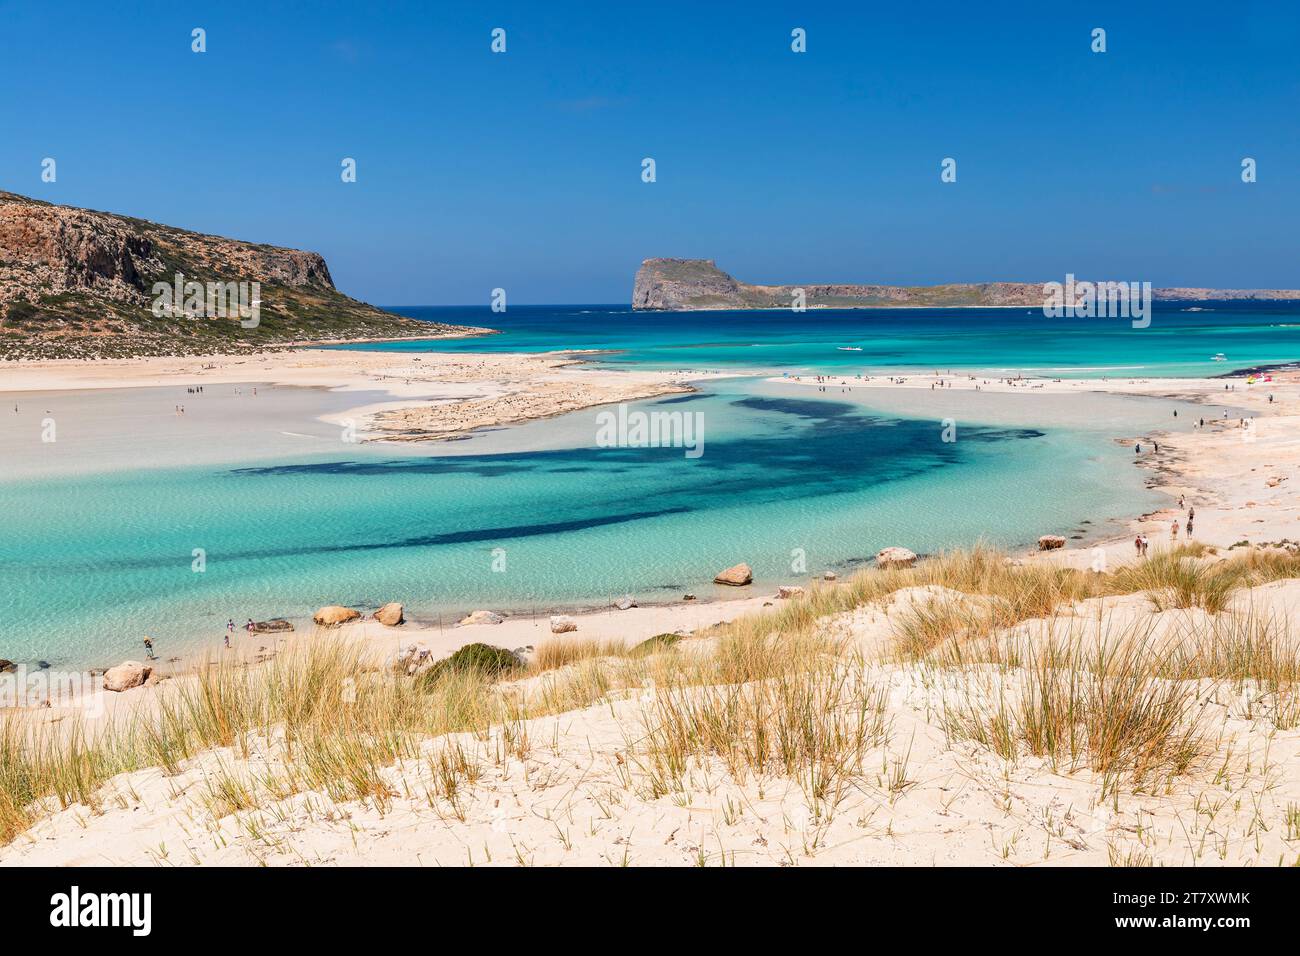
(1050, 542)
(333, 615)
(787, 591)
(481, 617)
(562, 624)
(688, 597)
(738, 575)
(126, 675)
(625, 603)
(390, 615)
(829, 576)
(410, 660)
(895, 558)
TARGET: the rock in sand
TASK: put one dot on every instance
(390, 615)
(481, 617)
(895, 558)
(126, 675)
(333, 615)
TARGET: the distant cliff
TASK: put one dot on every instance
(80, 284)
(686, 284)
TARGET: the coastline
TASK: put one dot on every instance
(448, 395)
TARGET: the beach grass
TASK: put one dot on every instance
(770, 694)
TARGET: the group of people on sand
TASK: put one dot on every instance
(1141, 544)
(152, 655)
(230, 629)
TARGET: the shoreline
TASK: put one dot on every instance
(474, 387)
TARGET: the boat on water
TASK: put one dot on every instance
(849, 348)
(1219, 357)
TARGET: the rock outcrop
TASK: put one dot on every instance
(75, 283)
(390, 615)
(126, 675)
(277, 625)
(333, 615)
(735, 576)
(686, 284)
(1050, 542)
(895, 558)
(562, 624)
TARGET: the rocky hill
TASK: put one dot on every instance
(75, 283)
(686, 284)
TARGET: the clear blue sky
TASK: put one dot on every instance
(522, 170)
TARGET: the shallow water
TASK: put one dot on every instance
(99, 551)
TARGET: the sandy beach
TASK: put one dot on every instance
(434, 395)
(582, 796)
(1235, 470)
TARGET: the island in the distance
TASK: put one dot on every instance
(682, 285)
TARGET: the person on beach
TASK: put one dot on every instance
(1145, 545)
(230, 629)
(1137, 545)
(1189, 529)
(148, 649)
(1173, 530)
(249, 627)
(1137, 449)
(1180, 502)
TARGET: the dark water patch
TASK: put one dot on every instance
(682, 399)
(495, 534)
(812, 409)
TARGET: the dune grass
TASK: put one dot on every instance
(766, 694)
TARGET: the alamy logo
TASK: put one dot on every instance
(73, 909)
(209, 300)
(1101, 300)
(637, 429)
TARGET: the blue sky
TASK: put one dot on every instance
(522, 170)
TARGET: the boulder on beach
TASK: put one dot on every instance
(275, 625)
(562, 624)
(1050, 542)
(895, 558)
(126, 675)
(333, 615)
(786, 591)
(829, 576)
(688, 596)
(735, 576)
(626, 602)
(480, 617)
(6, 666)
(390, 615)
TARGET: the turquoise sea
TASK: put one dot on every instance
(100, 530)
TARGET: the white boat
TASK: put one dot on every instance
(1219, 357)
(849, 348)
